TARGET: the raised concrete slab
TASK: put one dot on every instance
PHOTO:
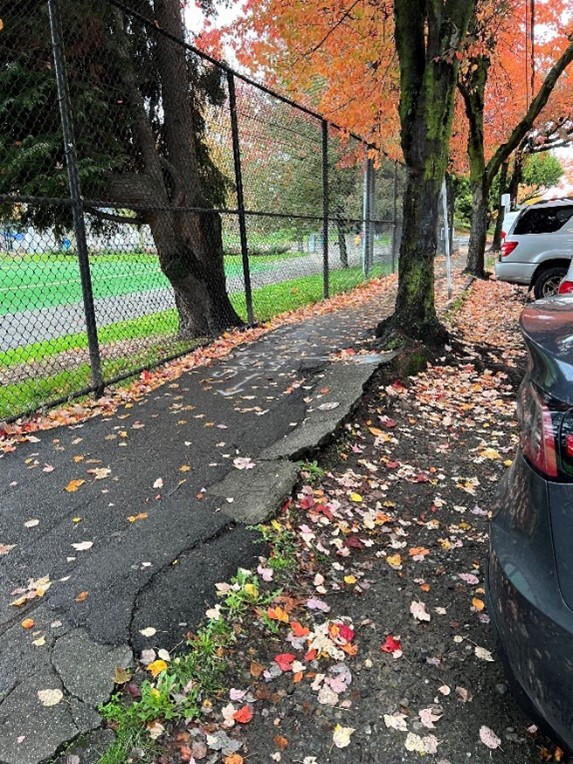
(341, 386)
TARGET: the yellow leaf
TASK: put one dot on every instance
(184, 468)
(478, 604)
(156, 667)
(1, 25)
(376, 432)
(40, 642)
(349, 579)
(276, 525)
(73, 485)
(251, 590)
(355, 497)
(507, 463)
(78, 459)
(135, 518)
(76, 520)
(20, 601)
(394, 561)
(490, 453)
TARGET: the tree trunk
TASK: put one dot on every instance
(342, 247)
(473, 94)
(189, 243)
(415, 310)
(427, 37)
(478, 233)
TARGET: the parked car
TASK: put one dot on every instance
(566, 285)
(538, 247)
(530, 566)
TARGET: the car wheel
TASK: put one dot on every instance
(547, 282)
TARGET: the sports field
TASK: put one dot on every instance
(31, 282)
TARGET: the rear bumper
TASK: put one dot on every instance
(515, 273)
(533, 625)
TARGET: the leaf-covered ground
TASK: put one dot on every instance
(378, 648)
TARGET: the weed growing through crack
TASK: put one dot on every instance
(183, 689)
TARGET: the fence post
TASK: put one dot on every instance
(367, 242)
(325, 211)
(75, 192)
(240, 197)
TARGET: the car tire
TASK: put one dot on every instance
(547, 281)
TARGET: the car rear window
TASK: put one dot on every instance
(545, 220)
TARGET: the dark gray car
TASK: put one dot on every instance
(530, 576)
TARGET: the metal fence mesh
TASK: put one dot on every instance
(200, 199)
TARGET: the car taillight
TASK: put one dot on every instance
(507, 248)
(565, 287)
(539, 430)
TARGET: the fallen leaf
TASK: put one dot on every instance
(243, 715)
(284, 661)
(156, 667)
(28, 623)
(422, 745)
(234, 758)
(149, 631)
(82, 596)
(483, 654)
(83, 545)
(418, 610)
(155, 729)
(489, 738)
(478, 604)
(158, 483)
(428, 716)
(73, 485)
(31, 523)
(5, 548)
(341, 736)
(50, 697)
(280, 742)
(121, 676)
(136, 518)
(396, 721)
(278, 614)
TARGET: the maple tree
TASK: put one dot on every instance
(490, 49)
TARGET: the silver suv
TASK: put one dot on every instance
(539, 247)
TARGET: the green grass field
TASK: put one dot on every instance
(42, 281)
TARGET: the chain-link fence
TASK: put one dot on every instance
(151, 198)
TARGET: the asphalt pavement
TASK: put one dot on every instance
(125, 523)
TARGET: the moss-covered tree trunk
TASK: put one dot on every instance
(472, 89)
(428, 35)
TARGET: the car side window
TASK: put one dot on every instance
(546, 220)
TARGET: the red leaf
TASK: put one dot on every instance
(391, 645)
(243, 715)
(285, 660)
(346, 632)
(354, 543)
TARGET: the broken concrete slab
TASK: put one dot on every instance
(86, 668)
(256, 493)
